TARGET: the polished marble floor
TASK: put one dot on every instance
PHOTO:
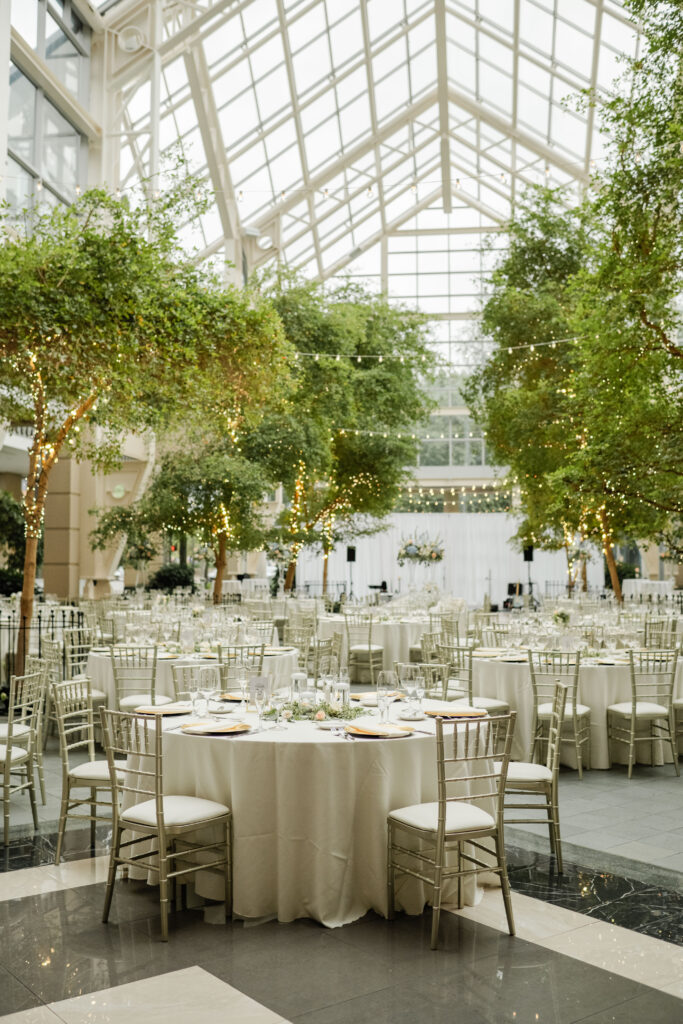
(601, 943)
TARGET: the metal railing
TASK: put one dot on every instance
(15, 638)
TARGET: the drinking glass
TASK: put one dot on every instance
(279, 699)
(260, 699)
(209, 684)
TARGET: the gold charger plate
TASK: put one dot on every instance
(230, 697)
(394, 694)
(214, 728)
(380, 732)
(458, 713)
(163, 709)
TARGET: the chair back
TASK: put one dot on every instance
(660, 633)
(431, 676)
(337, 645)
(72, 701)
(77, 645)
(653, 675)
(554, 722)
(428, 645)
(263, 629)
(135, 671)
(458, 661)
(549, 667)
(250, 655)
(51, 650)
(480, 620)
(185, 679)
(445, 623)
(136, 740)
(472, 758)
(319, 650)
(25, 703)
(358, 629)
(496, 634)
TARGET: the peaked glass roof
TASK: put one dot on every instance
(384, 138)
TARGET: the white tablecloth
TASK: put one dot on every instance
(396, 636)
(99, 670)
(309, 816)
(599, 686)
(647, 588)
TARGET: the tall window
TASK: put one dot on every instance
(47, 155)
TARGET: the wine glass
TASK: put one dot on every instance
(260, 700)
(279, 698)
(209, 684)
(386, 688)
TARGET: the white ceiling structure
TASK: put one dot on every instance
(382, 138)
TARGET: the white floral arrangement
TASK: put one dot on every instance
(420, 548)
(561, 617)
(279, 553)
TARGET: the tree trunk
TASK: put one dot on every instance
(570, 578)
(182, 549)
(221, 560)
(609, 555)
(584, 575)
(326, 563)
(289, 578)
(26, 607)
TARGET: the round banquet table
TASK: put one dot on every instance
(647, 588)
(309, 816)
(396, 636)
(599, 686)
(280, 665)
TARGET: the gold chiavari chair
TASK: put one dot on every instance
(152, 814)
(453, 830)
(545, 669)
(653, 675)
(25, 701)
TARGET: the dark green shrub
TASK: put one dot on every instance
(10, 581)
(168, 577)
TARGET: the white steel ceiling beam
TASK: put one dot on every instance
(442, 90)
(212, 140)
(506, 128)
(590, 119)
(373, 105)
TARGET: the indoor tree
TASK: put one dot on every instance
(361, 375)
(207, 492)
(109, 327)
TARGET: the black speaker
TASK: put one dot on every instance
(515, 588)
(350, 554)
(529, 553)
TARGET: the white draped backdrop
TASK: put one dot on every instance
(475, 545)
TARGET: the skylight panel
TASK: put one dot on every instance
(392, 92)
(312, 64)
(232, 82)
(346, 39)
(322, 144)
(257, 15)
(354, 120)
(302, 30)
(536, 26)
(382, 17)
(502, 15)
(264, 58)
(272, 93)
(574, 49)
(237, 119)
(462, 68)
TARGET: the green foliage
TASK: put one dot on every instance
(328, 436)
(10, 582)
(593, 430)
(625, 571)
(12, 533)
(169, 577)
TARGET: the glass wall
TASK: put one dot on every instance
(47, 155)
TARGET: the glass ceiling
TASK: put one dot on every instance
(382, 138)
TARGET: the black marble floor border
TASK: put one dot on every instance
(620, 899)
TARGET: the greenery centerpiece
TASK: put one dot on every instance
(296, 711)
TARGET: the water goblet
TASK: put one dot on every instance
(260, 700)
(209, 684)
(279, 699)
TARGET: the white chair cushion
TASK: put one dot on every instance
(546, 710)
(17, 732)
(96, 772)
(366, 648)
(17, 755)
(136, 699)
(525, 771)
(491, 704)
(459, 817)
(178, 810)
(644, 709)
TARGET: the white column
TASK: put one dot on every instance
(5, 32)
